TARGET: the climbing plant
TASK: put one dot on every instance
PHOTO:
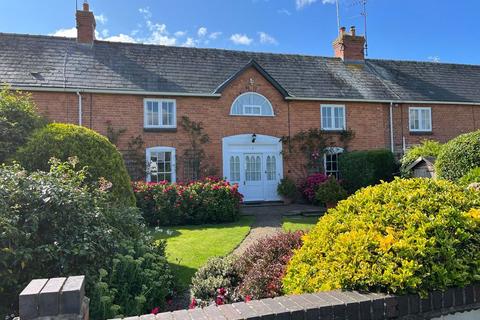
(194, 154)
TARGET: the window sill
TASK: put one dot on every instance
(332, 130)
(159, 129)
(421, 133)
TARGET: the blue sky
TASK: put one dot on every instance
(427, 30)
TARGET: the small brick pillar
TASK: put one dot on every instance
(85, 25)
(55, 298)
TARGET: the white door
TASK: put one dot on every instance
(253, 178)
(272, 175)
(255, 166)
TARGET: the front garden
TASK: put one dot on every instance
(68, 207)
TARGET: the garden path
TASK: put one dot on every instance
(268, 220)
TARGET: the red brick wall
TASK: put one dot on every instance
(369, 121)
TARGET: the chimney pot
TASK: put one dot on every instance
(352, 31)
(342, 30)
(86, 7)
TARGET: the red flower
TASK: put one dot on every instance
(193, 304)
(248, 298)
(155, 310)
(219, 301)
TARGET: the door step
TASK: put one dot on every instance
(251, 204)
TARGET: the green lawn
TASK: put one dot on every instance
(189, 247)
(295, 223)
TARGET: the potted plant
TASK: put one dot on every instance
(287, 190)
(330, 192)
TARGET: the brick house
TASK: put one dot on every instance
(246, 101)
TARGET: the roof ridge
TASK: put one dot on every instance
(425, 62)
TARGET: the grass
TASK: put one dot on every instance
(298, 223)
(189, 247)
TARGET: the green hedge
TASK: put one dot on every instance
(458, 156)
(210, 200)
(359, 169)
(413, 235)
(93, 150)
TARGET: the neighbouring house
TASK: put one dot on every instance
(246, 101)
(423, 167)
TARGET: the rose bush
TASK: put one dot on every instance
(210, 200)
(310, 186)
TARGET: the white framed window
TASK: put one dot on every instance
(161, 164)
(420, 119)
(271, 168)
(251, 104)
(234, 168)
(330, 161)
(333, 117)
(160, 113)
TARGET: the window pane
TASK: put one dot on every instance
(252, 104)
(163, 166)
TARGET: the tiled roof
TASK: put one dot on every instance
(53, 62)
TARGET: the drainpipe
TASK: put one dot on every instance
(79, 108)
(392, 147)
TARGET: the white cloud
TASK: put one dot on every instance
(121, 38)
(303, 3)
(284, 11)
(101, 18)
(105, 33)
(435, 59)
(215, 35)
(202, 32)
(241, 39)
(179, 34)
(190, 42)
(265, 38)
(146, 12)
(69, 33)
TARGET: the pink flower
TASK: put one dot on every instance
(192, 304)
(248, 298)
(155, 310)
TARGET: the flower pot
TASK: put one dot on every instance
(330, 205)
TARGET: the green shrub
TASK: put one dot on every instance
(472, 176)
(138, 280)
(18, 119)
(219, 273)
(359, 169)
(287, 188)
(458, 156)
(54, 224)
(93, 150)
(205, 201)
(330, 192)
(412, 235)
(427, 148)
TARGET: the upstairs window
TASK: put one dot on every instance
(333, 117)
(420, 119)
(252, 104)
(160, 113)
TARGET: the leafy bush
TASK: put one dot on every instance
(472, 176)
(310, 186)
(287, 188)
(18, 119)
(330, 192)
(94, 151)
(359, 169)
(139, 279)
(54, 224)
(458, 156)
(427, 148)
(263, 264)
(412, 235)
(218, 277)
(206, 201)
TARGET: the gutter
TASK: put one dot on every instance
(114, 91)
(79, 108)
(392, 147)
(383, 101)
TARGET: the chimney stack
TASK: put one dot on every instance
(349, 47)
(85, 25)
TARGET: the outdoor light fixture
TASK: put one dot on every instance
(254, 137)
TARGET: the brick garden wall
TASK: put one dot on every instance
(369, 121)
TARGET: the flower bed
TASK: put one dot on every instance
(210, 200)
